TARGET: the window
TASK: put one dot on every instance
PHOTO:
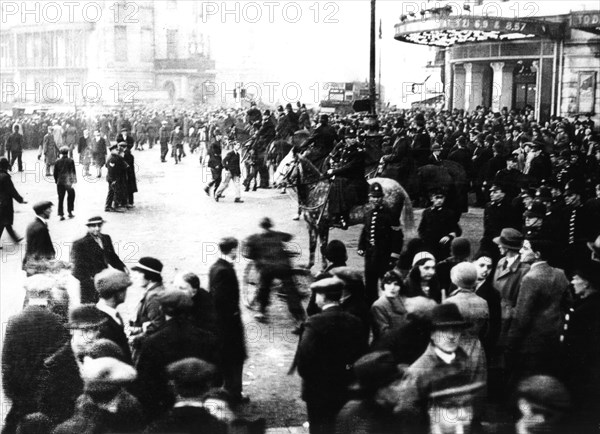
(121, 43)
(147, 45)
(172, 44)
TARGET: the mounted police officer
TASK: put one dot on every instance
(320, 144)
(348, 184)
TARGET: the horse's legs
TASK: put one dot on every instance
(324, 238)
(312, 235)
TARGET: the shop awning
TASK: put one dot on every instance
(445, 31)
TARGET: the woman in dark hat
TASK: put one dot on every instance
(8, 192)
(581, 343)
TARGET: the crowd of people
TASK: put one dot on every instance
(441, 334)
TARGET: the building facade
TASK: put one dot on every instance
(107, 53)
(550, 63)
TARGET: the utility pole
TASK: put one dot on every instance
(372, 88)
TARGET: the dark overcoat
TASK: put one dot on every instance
(8, 192)
(224, 287)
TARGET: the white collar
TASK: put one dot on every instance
(329, 306)
(535, 264)
(447, 358)
(42, 219)
(102, 306)
(188, 403)
(227, 258)
(510, 261)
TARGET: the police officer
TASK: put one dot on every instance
(116, 178)
(577, 226)
(348, 185)
(380, 241)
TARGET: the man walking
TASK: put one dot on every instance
(14, 145)
(116, 178)
(48, 149)
(65, 176)
(224, 286)
(231, 164)
(163, 137)
(92, 254)
(8, 192)
(39, 243)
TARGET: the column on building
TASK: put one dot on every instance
(497, 85)
(473, 85)
(458, 87)
(448, 80)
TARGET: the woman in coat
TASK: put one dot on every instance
(7, 194)
(388, 311)
(421, 279)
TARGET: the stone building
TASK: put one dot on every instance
(550, 63)
(109, 53)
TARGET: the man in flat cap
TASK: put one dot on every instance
(164, 135)
(190, 379)
(105, 404)
(92, 254)
(177, 339)
(61, 382)
(111, 286)
(444, 370)
(65, 177)
(329, 344)
(39, 243)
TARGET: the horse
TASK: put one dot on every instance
(449, 176)
(311, 189)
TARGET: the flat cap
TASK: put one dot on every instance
(106, 373)
(191, 371)
(545, 392)
(42, 206)
(329, 285)
(110, 281)
(175, 301)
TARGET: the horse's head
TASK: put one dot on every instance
(287, 173)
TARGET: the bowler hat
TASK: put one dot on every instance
(86, 316)
(106, 348)
(106, 373)
(190, 372)
(590, 271)
(266, 223)
(113, 146)
(510, 239)
(110, 281)
(151, 265)
(536, 209)
(375, 190)
(447, 316)
(42, 206)
(95, 221)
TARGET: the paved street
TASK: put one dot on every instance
(176, 222)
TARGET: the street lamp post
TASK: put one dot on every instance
(372, 89)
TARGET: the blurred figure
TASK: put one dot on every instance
(8, 193)
(190, 379)
(544, 405)
(39, 243)
(65, 177)
(203, 311)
